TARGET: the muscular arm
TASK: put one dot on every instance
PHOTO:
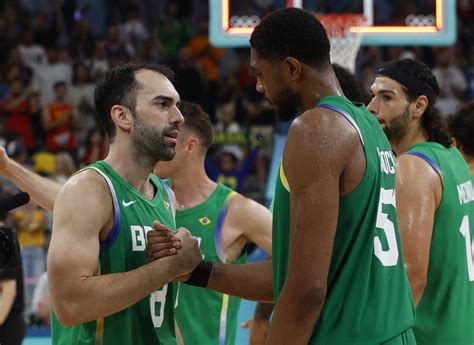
(43, 191)
(313, 162)
(83, 210)
(417, 200)
(250, 281)
(7, 297)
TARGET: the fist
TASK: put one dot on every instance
(189, 256)
(161, 242)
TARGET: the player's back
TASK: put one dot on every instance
(207, 317)
(150, 320)
(368, 297)
(445, 313)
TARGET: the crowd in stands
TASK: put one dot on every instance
(53, 52)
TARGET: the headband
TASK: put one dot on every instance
(411, 82)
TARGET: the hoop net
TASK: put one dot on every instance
(344, 43)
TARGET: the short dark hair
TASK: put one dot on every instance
(461, 127)
(291, 32)
(432, 121)
(198, 121)
(119, 86)
(348, 82)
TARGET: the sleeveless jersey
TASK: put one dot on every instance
(368, 297)
(151, 320)
(445, 313)
(207, 317)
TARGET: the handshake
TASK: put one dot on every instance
(179, 246)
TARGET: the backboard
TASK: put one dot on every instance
(389, 22)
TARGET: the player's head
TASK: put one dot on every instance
(140, 102)
(194, 139)
(461, 127)
(403, 96)
(284, 46)
(349, 84)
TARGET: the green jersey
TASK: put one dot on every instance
(151, 320)
(207, 317)
(368, 297)
(445, 313)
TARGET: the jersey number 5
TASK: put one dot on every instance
(387, 257)
(155, 298)
(466, 232)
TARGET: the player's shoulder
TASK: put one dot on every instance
(87, 182)
(242, 207)
(409, 168)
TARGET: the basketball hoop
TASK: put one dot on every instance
(344, 43)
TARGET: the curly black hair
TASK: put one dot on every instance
(119, 87)
(432, 120)
(291, 32)
(461, 127)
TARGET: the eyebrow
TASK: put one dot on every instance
(164, 98)
(383, 91)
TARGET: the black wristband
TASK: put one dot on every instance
(200, 275)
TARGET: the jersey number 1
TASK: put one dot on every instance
(466, 232)
(387, 257)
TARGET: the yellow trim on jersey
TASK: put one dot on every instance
(283, 179)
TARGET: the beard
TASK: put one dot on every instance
(398, 127)
(149, 143)
(286, 104)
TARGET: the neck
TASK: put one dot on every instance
(131, 167)
(413, 136)
(322, 83)
(191, 184)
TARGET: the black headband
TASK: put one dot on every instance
(411, 82)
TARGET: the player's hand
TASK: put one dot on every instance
(161, 242)
(189, 256)
(258, 330)
(4, 161)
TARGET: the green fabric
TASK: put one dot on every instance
(368, 299)
(445, 313)
(207, 317)
(148, 321)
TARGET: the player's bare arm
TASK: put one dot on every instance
(83, 217)
(317, 151)
(418, 194)
(42, 191)
(246, 220)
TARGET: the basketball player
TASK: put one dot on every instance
(96, 265)
(222, 220)
(434, 202)
(338, 271)
(461, 126)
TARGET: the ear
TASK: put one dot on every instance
(293, 68)
(419, 106)
(122, 117)
(192, 144)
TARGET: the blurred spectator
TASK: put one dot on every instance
(41, 304)
(19, 108)
(46, 32)
(82, 41)
(231, 170)
(133, 30)
(30, 222)
(451, 81)
(95, 147)
(81, 95)
(18, 152)
(207, 58)
(188, 78)
(46, 76)
(228, 133)
(172, 32)
(461, 126)
(99, 63)
(16, 69)
(64, 167)
(60, 120)
(32, 54)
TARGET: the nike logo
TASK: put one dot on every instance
(126, 204)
